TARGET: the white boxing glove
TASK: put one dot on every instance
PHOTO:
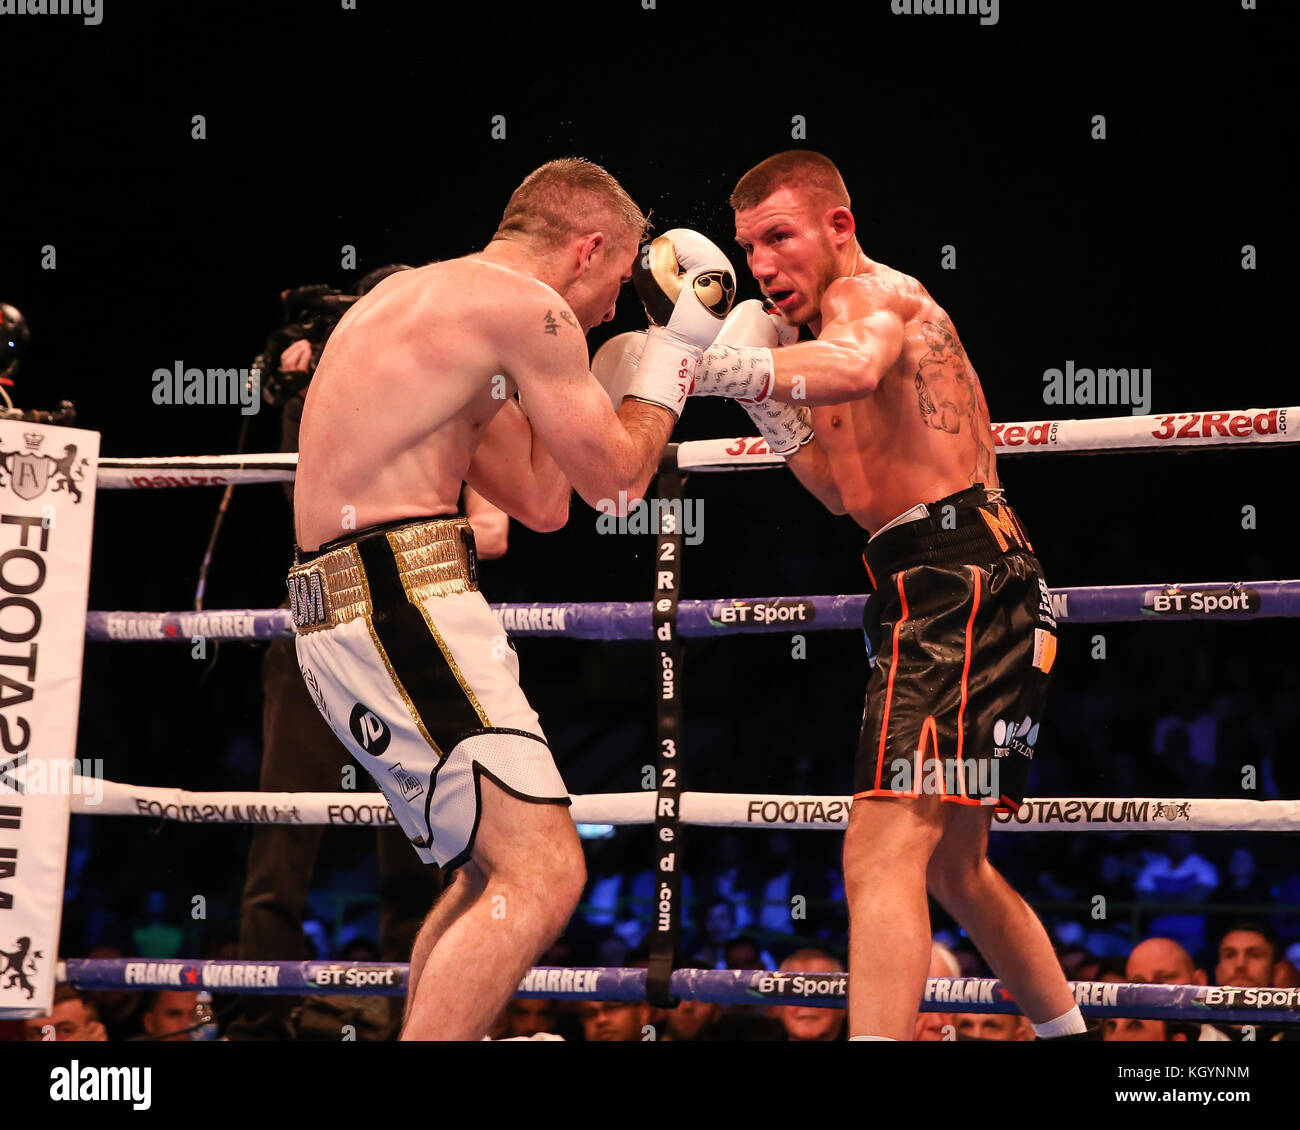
(616, 362)
(739, 365)
(687, 286)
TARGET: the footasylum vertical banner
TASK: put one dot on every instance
(47, 505)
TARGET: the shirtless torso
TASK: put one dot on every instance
(379, 436)
(414, 395)
(924, 433)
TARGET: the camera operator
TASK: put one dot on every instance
(301, 754)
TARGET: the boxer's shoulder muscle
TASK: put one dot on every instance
(875, 291)
(540, 332)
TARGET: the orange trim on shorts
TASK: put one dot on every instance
(870, 575)
(965, 672)
(929, 726)
(889, 686)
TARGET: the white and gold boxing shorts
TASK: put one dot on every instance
(411, 669)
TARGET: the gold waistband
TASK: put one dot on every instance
(433, 559)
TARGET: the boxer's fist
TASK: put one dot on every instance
(750, 323)
(785, 332)
(686, 284)
(616, 363)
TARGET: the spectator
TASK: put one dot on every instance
(744, 953)
(808, 1022)
(72, 1017)
(931, 1026)
(169, 1014)
(993, 1026)
(528, 1017)
(719, 923)
(1247, 954)
(691, 1021)
(1132, 1029)
(1162, 961)
(614, 1021)
(1248, 958)
(118, 1009)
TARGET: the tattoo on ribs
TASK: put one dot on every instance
(948, 391)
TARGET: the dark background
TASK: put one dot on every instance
(372, 128)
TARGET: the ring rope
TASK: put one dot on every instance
(627, 620)
(1239, 427)
(1196, 1003)
(713, 810)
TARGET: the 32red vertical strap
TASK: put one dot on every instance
(667, 913)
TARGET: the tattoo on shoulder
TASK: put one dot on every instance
(948, 392)
(552, 324)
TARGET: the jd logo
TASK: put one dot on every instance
(371, 731)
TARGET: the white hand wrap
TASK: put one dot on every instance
(742, 372)
(739, 364)
(785, 427)
(665, 372)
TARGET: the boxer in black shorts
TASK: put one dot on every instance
(880, 415)
(960, 629)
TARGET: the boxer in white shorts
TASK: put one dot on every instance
(426, 722)
(402, 655)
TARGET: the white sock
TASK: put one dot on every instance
(1067, 1024)
(887, 1039)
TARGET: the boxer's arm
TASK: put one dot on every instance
(514, 472)
(812, 468)
(845, 363)
(602, 454)
(861, 338)
(490, 523)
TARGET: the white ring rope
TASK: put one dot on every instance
(716, 810)
(1238, 427)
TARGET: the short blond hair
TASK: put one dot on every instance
(801, 169)
(567, 198)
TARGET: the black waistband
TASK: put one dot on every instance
(969, 527)
(302, 556)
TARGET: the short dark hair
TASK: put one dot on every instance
(795, 168)
(1253, 926)
(568, 197)
(65, 992)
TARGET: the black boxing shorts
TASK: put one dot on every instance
(961, 639)
(412, 670)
